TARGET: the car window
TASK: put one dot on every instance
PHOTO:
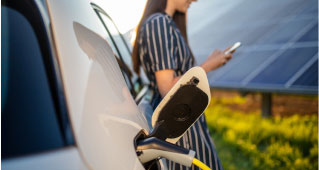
(122, 46)
(121, 49)
(28, 116)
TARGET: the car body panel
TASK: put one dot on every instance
(62, 159)
(103, 114)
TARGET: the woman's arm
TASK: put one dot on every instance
(165, 79)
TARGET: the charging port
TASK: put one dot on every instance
(151, 165)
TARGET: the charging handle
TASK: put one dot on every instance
(153, 148)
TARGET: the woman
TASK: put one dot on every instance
(162, 49)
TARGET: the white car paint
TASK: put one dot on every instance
(104, 116)
(67, 158)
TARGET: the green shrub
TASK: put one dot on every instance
(272, 143)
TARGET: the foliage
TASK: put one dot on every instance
(248, 141)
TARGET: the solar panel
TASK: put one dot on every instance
(221, 71)
(287, 31)
(308, 78)
(279, 44)
(311, 9)
(285, 66)
(237, 73)
(311, 35)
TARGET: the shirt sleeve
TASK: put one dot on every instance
(160, 44)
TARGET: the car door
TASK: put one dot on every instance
(35, 128)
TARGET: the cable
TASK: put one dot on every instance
(152, 148)
(200, 164)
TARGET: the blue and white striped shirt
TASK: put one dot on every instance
(161, 47)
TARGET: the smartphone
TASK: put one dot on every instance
(233, 48)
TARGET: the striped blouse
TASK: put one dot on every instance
(161, 46)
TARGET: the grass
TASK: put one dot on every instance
(248, 141)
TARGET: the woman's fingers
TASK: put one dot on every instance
(228, 56)
(216, 59)
(227, 49)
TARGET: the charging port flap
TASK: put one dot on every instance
(182, 106)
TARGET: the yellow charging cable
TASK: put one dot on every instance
(200, 164)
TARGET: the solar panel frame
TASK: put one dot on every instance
(311, 90)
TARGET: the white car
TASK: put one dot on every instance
(68, 97)
(65, 103)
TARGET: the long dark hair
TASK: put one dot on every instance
(151, 7)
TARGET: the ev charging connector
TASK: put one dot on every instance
(176, 113)
(153, 148)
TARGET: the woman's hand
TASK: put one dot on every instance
(216, 59)
(165, 79)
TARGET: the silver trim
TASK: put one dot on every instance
(141, 94)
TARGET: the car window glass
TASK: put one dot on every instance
(109, 40)
(118, 40)
(28, 116)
